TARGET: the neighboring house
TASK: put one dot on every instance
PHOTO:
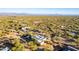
(62, 26)
(72, 48)
(26, 37)
(73, 33)
(37, 22)
(5, 44)
(69, 48)
(39, 38)
(5, 49)
(25, 29)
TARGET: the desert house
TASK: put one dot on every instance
(40, 39)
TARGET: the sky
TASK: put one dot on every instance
(41, 10)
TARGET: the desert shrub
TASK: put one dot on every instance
(18, 46)
(32, 45)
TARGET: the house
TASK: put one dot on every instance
(26, 37)
(72, 48)
(62, 27)
(73, 33)
(37, 22)
(5, 44)
(25, 29)
(5, 49)
(39, 38)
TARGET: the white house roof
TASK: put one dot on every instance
(5, 49)
(39, 37)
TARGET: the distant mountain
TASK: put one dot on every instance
(13, 14)
(26, 14)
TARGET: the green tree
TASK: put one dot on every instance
(18, 46)
(32, 45)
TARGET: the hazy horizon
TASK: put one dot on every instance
(62, 11)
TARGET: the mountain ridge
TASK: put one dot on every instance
(28, 14)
